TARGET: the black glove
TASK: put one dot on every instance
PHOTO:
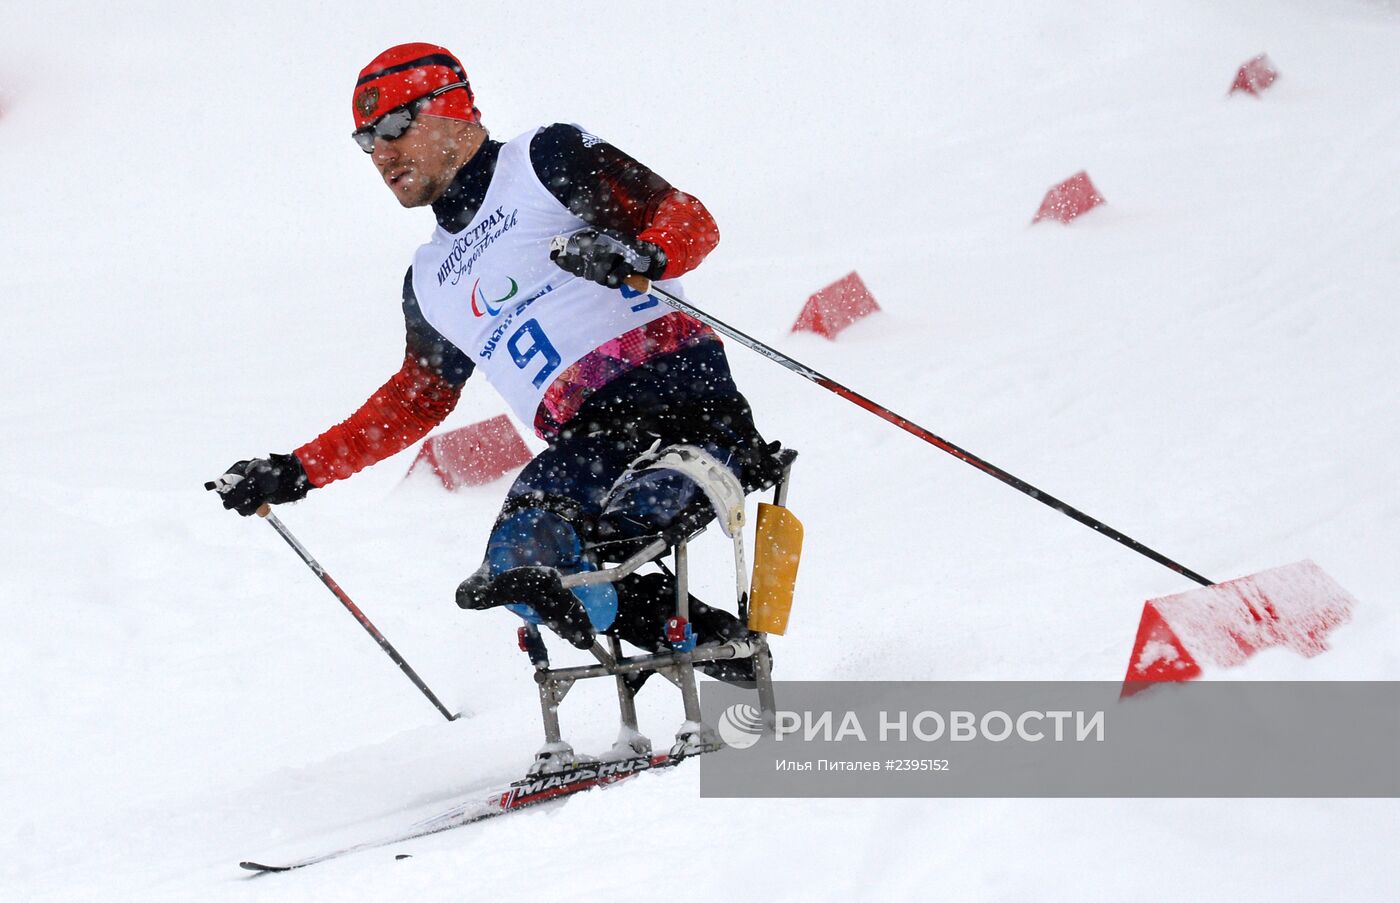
(274, 480)
(605, 258)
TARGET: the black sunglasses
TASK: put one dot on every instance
(395, 122)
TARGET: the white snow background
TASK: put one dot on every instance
(197, 266)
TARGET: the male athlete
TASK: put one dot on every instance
(602, 372)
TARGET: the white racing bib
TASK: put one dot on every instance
(492, 290)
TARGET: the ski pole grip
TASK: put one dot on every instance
(264, 509)
(639, 283)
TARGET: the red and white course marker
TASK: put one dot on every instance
(835, 307)
(1221, 626)
(1255, 76)
(1071, 198)
(474, 454)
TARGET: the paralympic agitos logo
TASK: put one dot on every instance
(483, 306)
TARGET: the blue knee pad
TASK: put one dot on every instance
(533, 537)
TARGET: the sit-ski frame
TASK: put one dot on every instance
(677, 666)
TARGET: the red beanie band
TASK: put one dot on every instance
(405, 73)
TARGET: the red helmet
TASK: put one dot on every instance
(407, 72)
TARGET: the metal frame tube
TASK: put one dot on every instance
(682, 553)
(626, 699)
(656, 662)
(614, 574)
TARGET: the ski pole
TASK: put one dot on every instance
(265, 512)
(643, 285)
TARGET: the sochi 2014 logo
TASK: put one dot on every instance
(740, 725)
(483, 306)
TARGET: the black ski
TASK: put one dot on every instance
(519, 795)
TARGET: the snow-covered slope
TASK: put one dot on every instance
(198, 266)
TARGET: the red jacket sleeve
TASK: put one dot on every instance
(684, 229)
(401, 412)
(609, 189)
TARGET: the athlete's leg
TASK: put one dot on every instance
(542, 533)
(645, 601)
(551, 514)
(688, 398)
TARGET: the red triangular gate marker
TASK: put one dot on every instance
(474, 454)
(1255, 76)
(1073, 197)
(1221, 626)
(835, 307)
